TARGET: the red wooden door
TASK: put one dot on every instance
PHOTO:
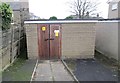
(49, 41)
(55, 45)
(43, 45)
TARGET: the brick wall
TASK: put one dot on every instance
(32, 40)
(78, 40)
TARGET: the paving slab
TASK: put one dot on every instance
(59, 72)
(43, 71)
(52, 71)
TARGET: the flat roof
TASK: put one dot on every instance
(66, 21)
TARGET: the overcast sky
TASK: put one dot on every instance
(59, 8)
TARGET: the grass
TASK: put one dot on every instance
(22, 76)
(13, 72)
(16, 73)
(16, 65)
(20, 70)
(71, 63)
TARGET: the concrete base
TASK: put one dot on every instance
(51, 71)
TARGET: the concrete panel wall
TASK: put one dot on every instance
(9, 50)
(107, 39)
(78, 40)
(14, 51)
(5, 56)
(16, 17)
(32, 40)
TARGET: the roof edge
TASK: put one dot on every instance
(59, 21)
(69, 21)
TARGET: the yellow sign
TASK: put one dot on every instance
(56, 34)
(43, 28)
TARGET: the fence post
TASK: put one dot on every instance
(11, 43)
(0, 48)
(20, 26)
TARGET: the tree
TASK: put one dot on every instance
(6, 14)
(53, 18)
(82, 8)
(69, 18)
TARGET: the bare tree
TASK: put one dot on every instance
(83, 7)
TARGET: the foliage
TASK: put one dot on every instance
(6, 14)
(53, 18)
(82, 8)
(69, 18)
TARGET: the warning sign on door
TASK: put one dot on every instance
(56, 33)
(43, 28)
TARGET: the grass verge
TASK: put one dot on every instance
(14, 72)
(71, 63)
(20, 70)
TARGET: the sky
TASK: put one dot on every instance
(60, 8)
